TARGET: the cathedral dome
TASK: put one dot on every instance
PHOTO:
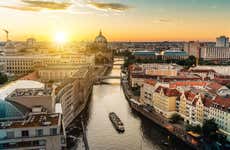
(100, 38)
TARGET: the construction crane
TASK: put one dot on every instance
(7, 34)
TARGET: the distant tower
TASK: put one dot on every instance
(222, 41)
(7, 34)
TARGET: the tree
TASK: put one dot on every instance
(175, 118)
(209, 128)
(196, 129)
(3, 78)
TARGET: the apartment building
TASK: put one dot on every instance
(38, 130)
(165, 101)
(215, 53)
(31, 97)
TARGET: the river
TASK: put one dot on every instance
(140, 133)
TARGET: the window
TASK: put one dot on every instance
(39, 132)
(25, 133)
(53, 131)
(10, 134)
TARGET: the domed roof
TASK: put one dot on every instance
(100, 38)
(11, 110)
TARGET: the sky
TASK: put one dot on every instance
(120, 20)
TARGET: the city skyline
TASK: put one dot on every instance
(122, 20)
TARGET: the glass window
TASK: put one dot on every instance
(39, 132)
(10, 134)
(53, 131)
(25, 133)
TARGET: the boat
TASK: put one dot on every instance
(117, 123)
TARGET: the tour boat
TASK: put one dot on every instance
(116, 122)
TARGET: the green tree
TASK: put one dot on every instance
(175, 118)
(3, 78)
(209, 128)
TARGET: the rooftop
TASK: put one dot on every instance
(143, 53)
(31, 92)
(33, 120)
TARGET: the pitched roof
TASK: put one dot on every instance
(168, 92)
(221, 103)
(151, 82)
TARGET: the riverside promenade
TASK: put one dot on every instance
(174, 129)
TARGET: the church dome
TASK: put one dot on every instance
(100, 38)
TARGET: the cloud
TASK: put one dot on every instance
(22, 8)
(109, 6)
(48, 4)
(38, 5)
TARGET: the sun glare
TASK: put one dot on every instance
(60, 37)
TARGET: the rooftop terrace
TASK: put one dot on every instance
(32, 120)
(31, 92)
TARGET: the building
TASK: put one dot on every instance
(219, 110)
(215, 53)
(30, 97)
(2, 67)
(57, 72)
(174, 55)
(192, 48)
(73, 94)
(165, 101)
(22, 64)
(147, 92)
(144, 55)
(37, 130)
(31, 43)
(222, 41)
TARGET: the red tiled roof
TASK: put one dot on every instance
(151, 82)
(189, 95)
(168, 92)
(224, 103)
(214, 86)
(202, 70)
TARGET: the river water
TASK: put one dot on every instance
(140, 133)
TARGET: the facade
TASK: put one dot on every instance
(174, 55)
(193, 48)
(222, 41)
(57, 72)
(165, 101)
(73, 93)
(147, 92)
(38, 130)
(215, 53)
(22, 64)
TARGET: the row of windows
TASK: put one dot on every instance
(25, 133)
(22, 144)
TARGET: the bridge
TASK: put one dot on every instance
(100, 79)
(108, 77)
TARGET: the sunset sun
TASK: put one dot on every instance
(60, 37)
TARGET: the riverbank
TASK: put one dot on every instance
(98, 72)
(159, 120)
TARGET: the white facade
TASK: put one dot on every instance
(33, 134)
(21, 64)
(215, 53)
